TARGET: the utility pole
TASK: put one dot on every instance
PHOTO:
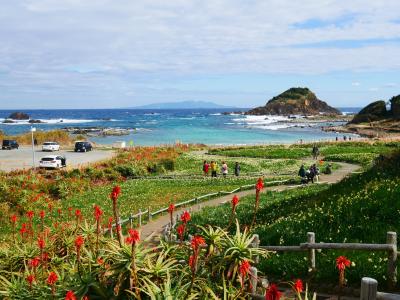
(33, 129)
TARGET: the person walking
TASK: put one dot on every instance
(237, 169)
(206, 168)
(310, 175)
(302, 174)
(224, 169)
(315, 152)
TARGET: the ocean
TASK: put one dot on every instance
(155, 127)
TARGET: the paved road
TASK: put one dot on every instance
(155, 227)
(22, 158)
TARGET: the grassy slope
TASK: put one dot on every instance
(144, 193)
(359, 209)
(353, 152)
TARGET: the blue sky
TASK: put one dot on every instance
(123, 53)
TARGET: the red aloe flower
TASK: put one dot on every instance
(180, 230)
(42, 214)
(171, 208)
(30, 214)
(259, 184)
(100, 260)
(97, 212)
(134, 236)
(185, 217)
(244, 268)
(259, 187)
(30, 278)
(197, 241)
(41, 243)
(59, 212)
(115, 193)
(34, 262)
(52, 279)
(13, 219)
(23, 230)
(273, 293)
(298, 286)
(79, 241)
(45, 256)
(70, 296)
(78, 213)
(191, 261)
(114, 197)
(235, 201)
(342, 262)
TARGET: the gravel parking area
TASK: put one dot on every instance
(22, 158)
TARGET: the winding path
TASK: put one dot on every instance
(156, 226)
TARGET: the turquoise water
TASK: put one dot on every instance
(154, 127)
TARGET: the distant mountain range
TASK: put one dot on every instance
(183, 105)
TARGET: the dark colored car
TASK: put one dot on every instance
(83, 146)
(9, 144)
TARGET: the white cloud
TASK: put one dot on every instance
(117, 44)
(356, 83)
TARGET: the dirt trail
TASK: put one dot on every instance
(156, 226)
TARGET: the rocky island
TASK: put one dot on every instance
(375, 120)
(295, 101)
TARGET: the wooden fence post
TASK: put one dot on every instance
(311, 252)
(392, 259)
(369, 288)
(131, 220)
(140, 218)
(255, 244)
(253, 280)
(149, 214)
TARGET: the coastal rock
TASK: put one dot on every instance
(395, 107)
(33, 121)
(8, 121)
(295, 101)
(99, 131)
(373, 112)
(18, 116)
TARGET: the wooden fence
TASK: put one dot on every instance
(147, 214)
(310, 246)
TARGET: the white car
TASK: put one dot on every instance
(50, 146)
(52, 161)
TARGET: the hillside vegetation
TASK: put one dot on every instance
(295, 101)
(353, 152)
(361, 208)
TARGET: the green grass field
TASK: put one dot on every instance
(353, 152)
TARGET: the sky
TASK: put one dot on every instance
(126, 53)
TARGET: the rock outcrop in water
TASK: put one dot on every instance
(295, 101)
(18, 116)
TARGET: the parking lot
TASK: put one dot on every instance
(22, 158)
